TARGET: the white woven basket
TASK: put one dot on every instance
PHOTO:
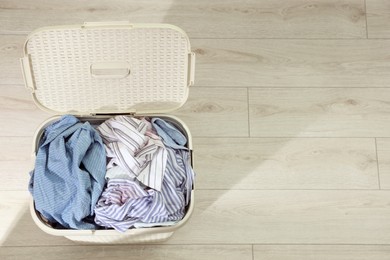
(109, 68)
(97, 70)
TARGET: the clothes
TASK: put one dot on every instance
(69, 173)
(183, 158)
(170, 135)
(124, 203)
(149, 225)
(117, 172)
(131, 144)
(173, 138)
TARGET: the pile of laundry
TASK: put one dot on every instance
(125, 173)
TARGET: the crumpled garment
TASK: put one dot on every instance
(132, 145)
(69, 174)
(125, 203)
(175, 139)
(171, 136)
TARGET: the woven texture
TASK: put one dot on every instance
(61, 60)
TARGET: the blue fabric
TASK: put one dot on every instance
(69, 173)
(171, 136)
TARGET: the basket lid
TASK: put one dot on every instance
(104, 68)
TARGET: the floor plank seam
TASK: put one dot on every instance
(126, 245)
(247, 87)
(12, 84)
(276, 87)
(253, 253)
(308, 87)
(365, 12)
(26, 33)
(284, 137)
(221, 137)
(281, 38)
(199, 244)
(316, 189)
(248, 110)
(216, 189)
(248, 137)
(319, 137)
(13, 190)
(319, 244)
(377, 163)
(16, 136)
(14, 33)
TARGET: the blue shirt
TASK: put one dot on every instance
(69, 173)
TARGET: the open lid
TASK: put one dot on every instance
(104, 68)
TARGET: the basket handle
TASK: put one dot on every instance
(27, 76)
(191, 68)
(107, 70)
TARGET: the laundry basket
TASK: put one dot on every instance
(98, 70)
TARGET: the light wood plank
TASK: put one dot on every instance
(378, 18)
(383, 146)
(321, 252)
(245, 217)
(11, 49)
(292, 63)
(141, 252)
(15, 149)
(208, 112)
(283, 163)
(15, 162)
(17, 227)
(15, 175)
(288, 217)
(216, 112)
(226, 19)
(13, 209)
(326, 112)
(19, 114)
(279, 63)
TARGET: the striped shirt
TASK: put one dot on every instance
(125, 203)
(131, 144)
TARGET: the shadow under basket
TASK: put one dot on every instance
(111, 236)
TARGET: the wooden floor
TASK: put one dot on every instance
(291, 122)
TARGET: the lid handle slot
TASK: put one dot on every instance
(110, 70)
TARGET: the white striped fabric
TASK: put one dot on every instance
(124, 203)
(131, 144)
